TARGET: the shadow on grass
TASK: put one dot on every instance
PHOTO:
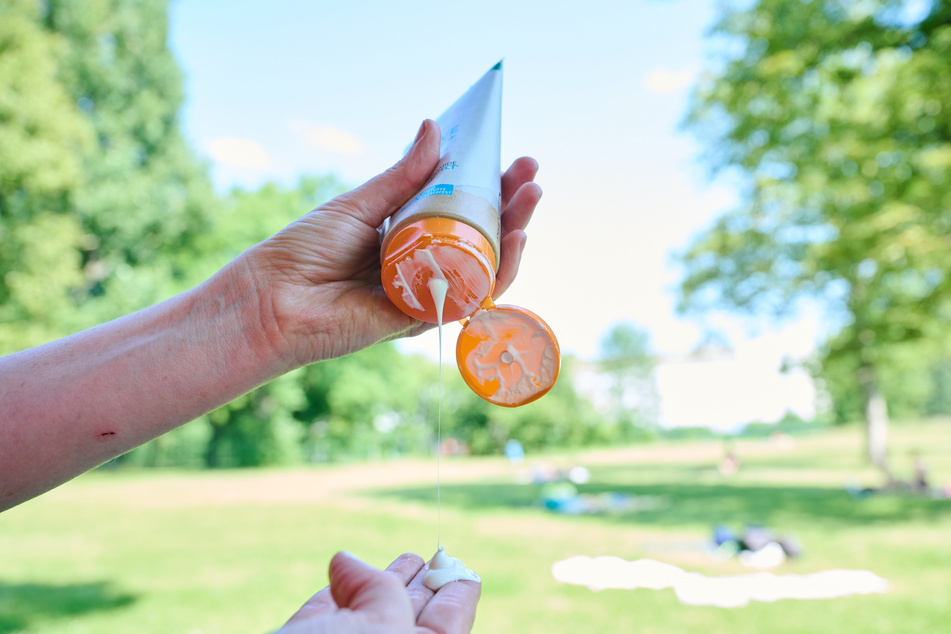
(23, 605)
(705, 504)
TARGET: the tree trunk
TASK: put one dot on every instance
(876, 419)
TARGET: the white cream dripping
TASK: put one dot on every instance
(443, 568)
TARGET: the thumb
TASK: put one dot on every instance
(361, 587)
(380, 196)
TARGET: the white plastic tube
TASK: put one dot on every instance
(451, 229)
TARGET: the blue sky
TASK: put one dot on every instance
(596, 91)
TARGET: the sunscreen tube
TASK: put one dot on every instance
(450, 230)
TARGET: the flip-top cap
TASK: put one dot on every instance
(508, 355)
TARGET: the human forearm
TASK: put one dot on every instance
(75, 403)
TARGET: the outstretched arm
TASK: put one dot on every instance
(308, 293)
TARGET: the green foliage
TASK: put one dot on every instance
(40, 128)
(248, 217)
(939, 401)
(690, 433)
(41, 137)
(790, 424)
(146, 196)
(182, 447)
(625, 356)
(370, 404)
(258, 428)
(561, 418)
(914, 379)
(95, 175)
(837, 113)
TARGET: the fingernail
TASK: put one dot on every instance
(419, 133)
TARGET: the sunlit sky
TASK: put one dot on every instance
(595, 91)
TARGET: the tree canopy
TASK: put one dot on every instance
(42, 138)
(95, 175)
(626, 357)
(837, 115)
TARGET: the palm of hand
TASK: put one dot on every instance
(323, 283)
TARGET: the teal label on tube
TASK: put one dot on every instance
(442, 189)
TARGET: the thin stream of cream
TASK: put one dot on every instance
(438, 288)
(442, 568)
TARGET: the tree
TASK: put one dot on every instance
(145, 199)
(911, 382)
(372, 403)
(625, 356)
(562, 418)
(258, 428)
(42, 135)
(837, 113)
(95, 175)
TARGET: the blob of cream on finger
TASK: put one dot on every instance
(443, 568)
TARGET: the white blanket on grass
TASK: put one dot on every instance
(694, 588)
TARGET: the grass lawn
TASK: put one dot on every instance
(239, 551)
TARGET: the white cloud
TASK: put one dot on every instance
(327, 138)
(240, 153)
(662, 81)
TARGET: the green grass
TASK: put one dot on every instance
(239, 551)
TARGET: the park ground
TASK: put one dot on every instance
(238, 551)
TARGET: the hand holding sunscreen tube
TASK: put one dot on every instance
(450, 231)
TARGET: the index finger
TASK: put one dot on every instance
(452, 610)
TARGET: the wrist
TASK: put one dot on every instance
(234, 309)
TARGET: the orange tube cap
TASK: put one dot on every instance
(508, 355)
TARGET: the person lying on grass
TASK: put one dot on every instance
(310, 292)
